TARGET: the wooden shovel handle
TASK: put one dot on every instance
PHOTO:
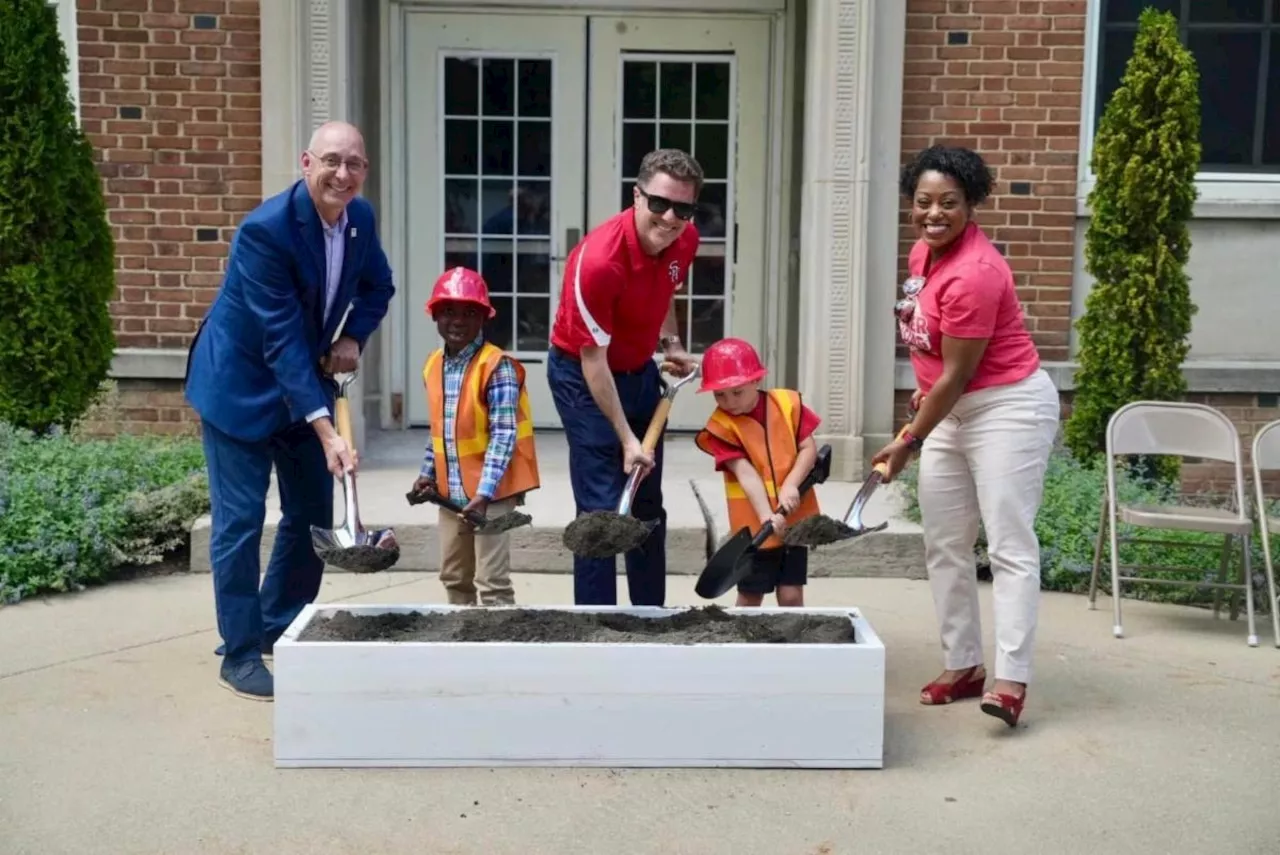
(342, 418)
(659, 420)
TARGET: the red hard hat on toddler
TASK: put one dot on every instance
(461, 285)
(728, 363)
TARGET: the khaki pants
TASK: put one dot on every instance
(471, 561)
(986, 461)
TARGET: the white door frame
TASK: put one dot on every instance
(393, 154)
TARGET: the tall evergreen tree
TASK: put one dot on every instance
(56, 252)
(1134, 335)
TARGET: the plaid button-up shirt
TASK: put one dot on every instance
(503, 395)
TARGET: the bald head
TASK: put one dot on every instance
(334, 167)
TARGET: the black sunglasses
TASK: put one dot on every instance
(660, 205)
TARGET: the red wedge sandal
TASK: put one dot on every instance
(1007, 708)
(968, 685)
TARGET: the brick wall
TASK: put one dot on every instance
(1003, 77)
(170, 98)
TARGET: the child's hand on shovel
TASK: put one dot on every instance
(479, 506)
(779, 524)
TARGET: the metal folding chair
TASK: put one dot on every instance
(1178, 430)
(1266, 457)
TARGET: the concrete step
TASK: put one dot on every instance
(388, 471)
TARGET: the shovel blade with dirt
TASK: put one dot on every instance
(732, 562)
(351, 546)
(823, 530)
(481, 523)
(606, 534)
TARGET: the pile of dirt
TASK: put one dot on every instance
(604, 534)
(709, 625)
(816, 531)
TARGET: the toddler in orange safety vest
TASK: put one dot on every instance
(481, 453)
(762, 440)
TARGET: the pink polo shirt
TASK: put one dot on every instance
(968, 293)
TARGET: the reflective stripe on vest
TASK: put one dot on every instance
(771, 449)
(471, 425)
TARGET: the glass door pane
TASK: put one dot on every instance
(673, 101)
(494, 165)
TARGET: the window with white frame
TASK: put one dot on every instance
(1236, 44)
(66, 10)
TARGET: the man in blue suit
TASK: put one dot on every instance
(259, 375)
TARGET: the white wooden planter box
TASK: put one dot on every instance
(380, 703)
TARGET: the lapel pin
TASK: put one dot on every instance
(353, 231)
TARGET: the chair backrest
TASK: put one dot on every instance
(1172, 428)
(1266, 447)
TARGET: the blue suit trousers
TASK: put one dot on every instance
(239, 477)
(595, 471)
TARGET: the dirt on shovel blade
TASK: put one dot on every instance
(361, 559)
(710, 625)
(817, 531)
(604, 534)
(506, 522)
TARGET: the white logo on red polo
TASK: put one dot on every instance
(673, 270)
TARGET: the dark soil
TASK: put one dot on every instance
(816, 531)
(710, 625)
(361, 559)
(604, 534)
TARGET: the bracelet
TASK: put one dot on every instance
(913, 442)
(667, 340)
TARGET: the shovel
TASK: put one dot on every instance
(822, 530)
(605, 534)
(731, 563)
(351, 547)
(482, 524)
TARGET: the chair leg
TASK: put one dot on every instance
(1097, 555)
(1247, 572)
(1274, 607)
(1117, 629)
(1227, 546)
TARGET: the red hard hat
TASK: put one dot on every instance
(463, 285)
(730, 362)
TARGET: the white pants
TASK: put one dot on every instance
(986, 460)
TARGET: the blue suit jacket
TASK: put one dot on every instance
(253, 366)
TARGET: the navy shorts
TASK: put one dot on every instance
(773, 568)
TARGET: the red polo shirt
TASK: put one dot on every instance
(616, 296)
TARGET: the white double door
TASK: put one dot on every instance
(526, 130)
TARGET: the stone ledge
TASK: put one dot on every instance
(144, 363)
(898, 555)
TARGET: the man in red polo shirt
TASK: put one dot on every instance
(616, 308)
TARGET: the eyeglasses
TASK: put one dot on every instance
(905, 308)
(333, 161)
(660, 205)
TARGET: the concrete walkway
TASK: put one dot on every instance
(390, 465)
(115, 738)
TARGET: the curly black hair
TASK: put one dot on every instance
(965, 166)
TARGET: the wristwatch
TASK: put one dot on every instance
(667, 341)
(913, 442)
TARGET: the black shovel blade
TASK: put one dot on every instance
(727, 567)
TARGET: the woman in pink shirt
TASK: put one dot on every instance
(985, 418)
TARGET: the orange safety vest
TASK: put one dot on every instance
(772, 449)
(471, 425)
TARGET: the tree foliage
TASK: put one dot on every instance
(56, 252)
(1134, 335)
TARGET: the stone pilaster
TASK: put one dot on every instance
(849, 222)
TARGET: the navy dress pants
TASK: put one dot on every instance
(595, 470)
(239, 477)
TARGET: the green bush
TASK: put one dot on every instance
(73, 511)
(1067, 527)
(1134, 332)
(56, 251)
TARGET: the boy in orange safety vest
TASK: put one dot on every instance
(762, 440)
(482, 430)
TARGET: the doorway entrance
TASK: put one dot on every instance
(524, 130)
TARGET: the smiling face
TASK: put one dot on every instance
(738, 400)
(334, 167)
(659, 206)
(458, 323)
(939, 211)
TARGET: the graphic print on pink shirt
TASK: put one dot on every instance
(913, 325)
